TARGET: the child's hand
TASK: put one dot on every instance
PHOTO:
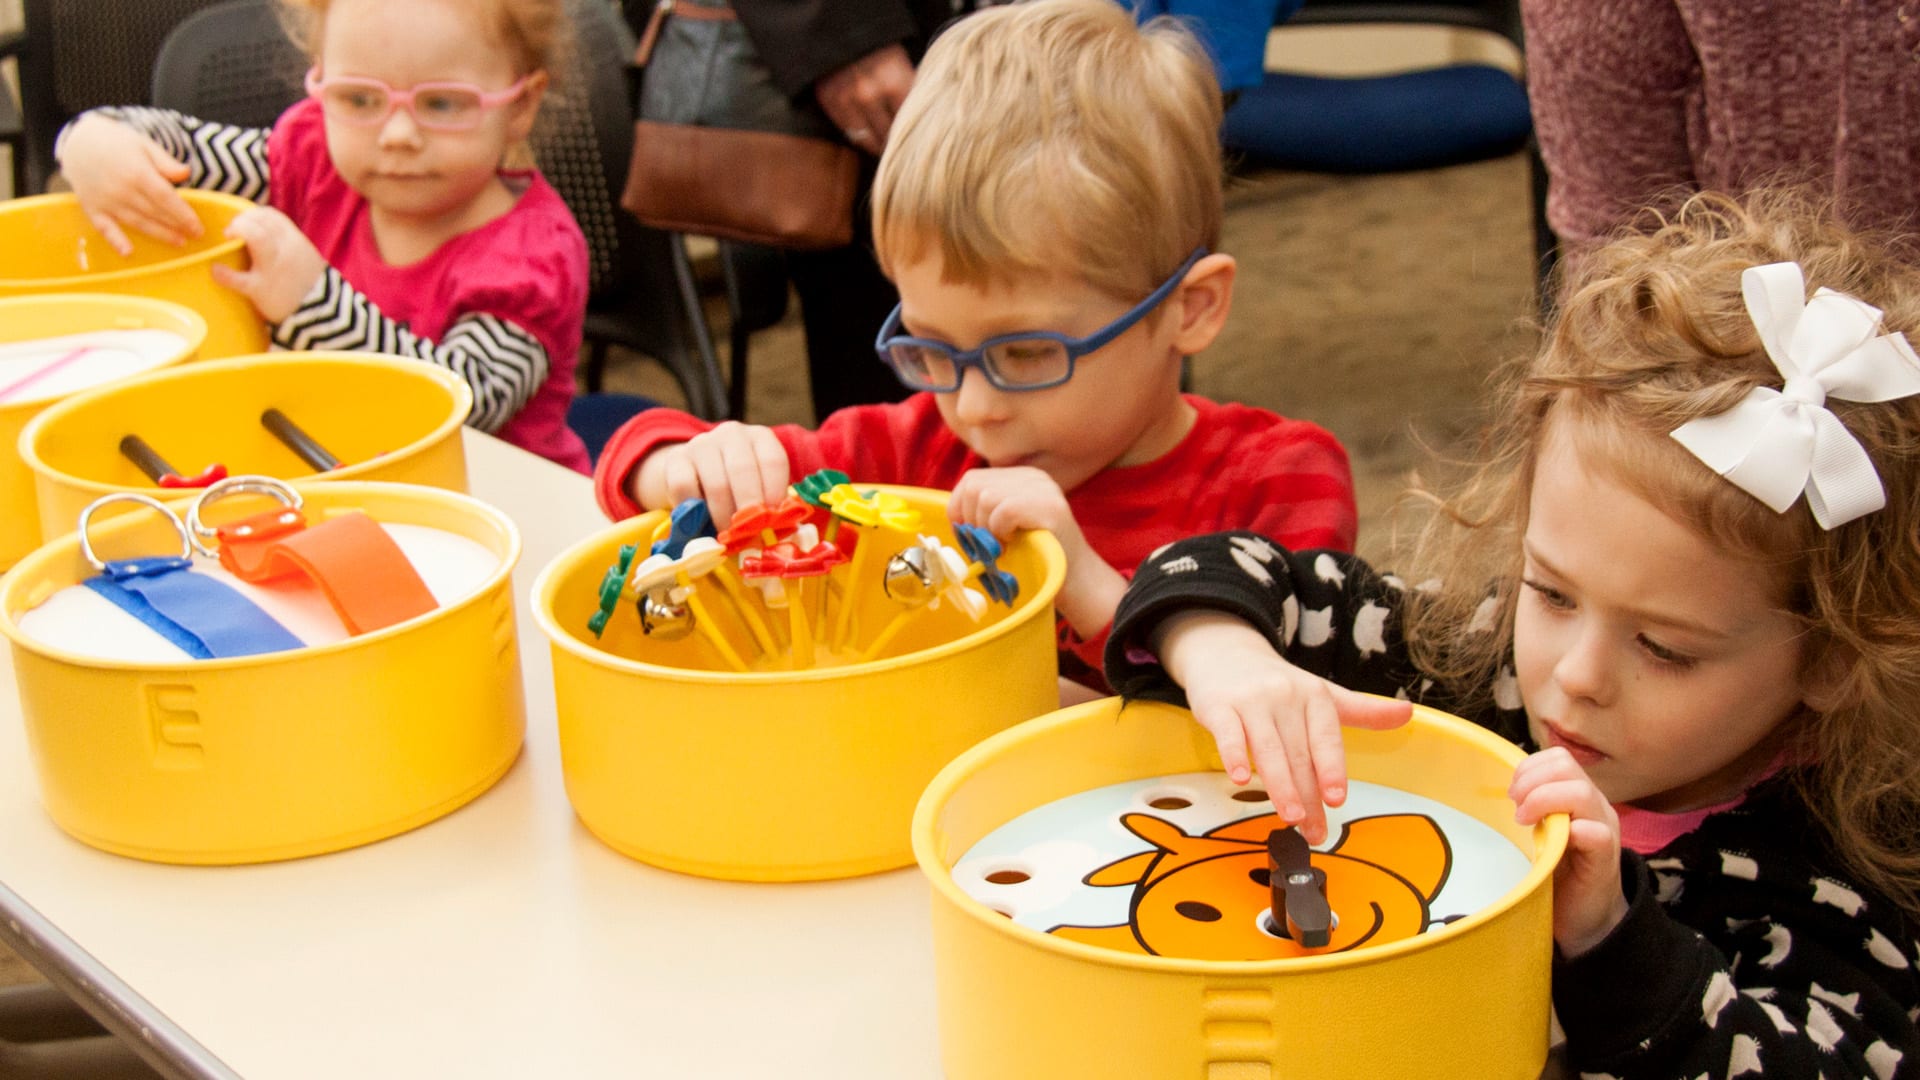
(1588, 900)
(284, 268)
(123, 178)
(1004, 501)
(733, 465)
(1257, 705)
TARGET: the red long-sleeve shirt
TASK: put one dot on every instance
(1239, 468)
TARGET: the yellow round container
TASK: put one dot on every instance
(51, 247)
(26, 318)
(1466, 1003)
(250, 759)
(783, 775)
(386, 417)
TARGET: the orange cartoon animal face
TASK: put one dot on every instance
(1208, 897)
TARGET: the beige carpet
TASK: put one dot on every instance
(1374, 306)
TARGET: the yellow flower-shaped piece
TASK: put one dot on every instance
(883, 509)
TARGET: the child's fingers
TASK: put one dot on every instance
(1230, 738)
(744, 476)
(1367, 711)
(1286, 768)
(1329, 752)
(110, 231)
(237, 280)
(681, 481)
(1553, 763)
(1575, 796)
(711, 479)
(164, 163)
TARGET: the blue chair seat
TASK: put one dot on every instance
(1385, 123)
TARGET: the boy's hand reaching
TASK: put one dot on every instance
(1004, 501)
(1588, 900)
(283, 268)
(733, 465)
(125, 180)
(1262, 709)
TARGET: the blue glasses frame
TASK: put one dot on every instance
(890, 336)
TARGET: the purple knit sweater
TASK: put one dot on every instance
(1634, 99)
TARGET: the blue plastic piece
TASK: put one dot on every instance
(691, 520)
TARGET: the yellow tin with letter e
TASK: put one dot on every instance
(284, 754)
(784, 775)
(24, 394)
(51, 247)
(381, 417)
(1458, 993)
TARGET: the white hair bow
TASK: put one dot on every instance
(1776, 444)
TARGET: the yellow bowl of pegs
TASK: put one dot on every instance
(776, 720)
(1106, 903)
(286, 414)
(56, 345)
(51, 247)
(191, 731)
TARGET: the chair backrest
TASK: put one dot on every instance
(585, 133)
(233, 63)
(80, 54)
(1495, 16)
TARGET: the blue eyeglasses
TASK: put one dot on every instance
(1033, 360)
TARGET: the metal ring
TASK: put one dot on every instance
(197, 532)
(86, 545)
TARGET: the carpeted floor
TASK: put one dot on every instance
(1375, 306)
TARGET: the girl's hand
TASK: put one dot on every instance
(1004, 501)
(123, 178)
(1258, 706)
(284, 264)
(733, 465)
(1588, 899)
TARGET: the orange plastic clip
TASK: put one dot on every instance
(350, 558)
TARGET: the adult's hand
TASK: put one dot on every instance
(862, 97)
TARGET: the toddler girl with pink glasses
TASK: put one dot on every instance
(391, 223)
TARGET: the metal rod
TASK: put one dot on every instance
(298, 441)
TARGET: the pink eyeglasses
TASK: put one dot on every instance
(443, 106)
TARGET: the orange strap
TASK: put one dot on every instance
(365, 576)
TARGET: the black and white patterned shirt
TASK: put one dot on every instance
(1746, 950)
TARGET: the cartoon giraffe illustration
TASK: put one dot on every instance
(1208, 897)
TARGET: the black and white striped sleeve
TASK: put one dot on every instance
(499, 360)
(221, 157)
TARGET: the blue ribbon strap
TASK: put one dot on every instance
(205, 618)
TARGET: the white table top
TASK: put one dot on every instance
(500, 941)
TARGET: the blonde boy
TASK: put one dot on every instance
(1048, 205)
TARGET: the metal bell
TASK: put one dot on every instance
(664, 619)
(908, 578)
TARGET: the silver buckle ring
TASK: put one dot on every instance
(201, 536)
(86, 545)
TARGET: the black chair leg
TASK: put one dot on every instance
(739, 337)
(596, 374)
(705, 396)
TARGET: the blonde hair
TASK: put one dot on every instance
(1055, 134)
(1653, 332)
(537, 35)
(534, 32)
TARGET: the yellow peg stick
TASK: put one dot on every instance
(656, 572)
(921, 576)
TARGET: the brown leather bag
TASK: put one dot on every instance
(719, 150)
